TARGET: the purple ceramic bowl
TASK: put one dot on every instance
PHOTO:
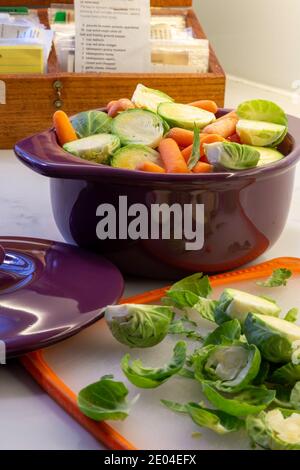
(245, 212)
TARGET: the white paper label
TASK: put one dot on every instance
(112, 36)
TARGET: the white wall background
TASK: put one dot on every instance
(257, 40)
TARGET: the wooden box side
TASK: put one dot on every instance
(47, 3)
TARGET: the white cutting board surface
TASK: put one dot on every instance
(84, 358)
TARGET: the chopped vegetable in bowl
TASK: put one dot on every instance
(188, 138)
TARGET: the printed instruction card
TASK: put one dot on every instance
(112, 36)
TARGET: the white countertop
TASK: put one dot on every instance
(29, 418)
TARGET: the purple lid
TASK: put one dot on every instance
(50, 291)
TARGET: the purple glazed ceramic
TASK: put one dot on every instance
(245, 212)
(50, 291)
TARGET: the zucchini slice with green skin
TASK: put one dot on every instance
(131, 156)
(138, 126)
(184, 115)
(97, 148)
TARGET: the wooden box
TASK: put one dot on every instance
(28, 101)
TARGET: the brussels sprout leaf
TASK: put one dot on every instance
(147, 377)
(292, 315)
(172, 405)
(278, 278)
(196, 283)
(227, 332)
(178, 327)
(105, 399)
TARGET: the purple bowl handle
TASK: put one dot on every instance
(2, 254)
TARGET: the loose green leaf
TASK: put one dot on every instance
(288, 374)
(278, 278)
(231, 368)
(147, 377)
(178, 327)
(251, 400)
(227, 332)
(181, 298)
(292, 315)
(186, 373)
(263, 373)
(196, 283)
(205, 307)
(92, 122)
(139, 326)
(105, 399)
(295, 397)
(174, 406)
(217, 421)
(195, 156)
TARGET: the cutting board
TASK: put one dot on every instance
(62, 370)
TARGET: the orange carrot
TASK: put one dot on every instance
(204, 139)
(202, 167)
(223, 127)
(151, 167)
(187, 152)
(232, 114)
(121, 105)
(234, 138)
(182, 137)
(208, 105)
(172, 157)
(110, 104)
(64, 130)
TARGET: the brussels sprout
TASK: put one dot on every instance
(97, 148)
(185, 116)
(262, 110)
(91, 123)
(237, 304)
(231, 155)
(216, 420)
(288, 374)
(138, 326)
(278, 429)
(251, 400)
(196, 284)
(277, 339)
(292, 315)
(225, 333)
(105, 399)
(260, 133)
(147, 377)
(138, 126)
(231, 367)
(148, 98)
(131, 156)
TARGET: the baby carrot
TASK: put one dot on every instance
(208, 105)
(64, 130)
(110, 104)
(202, 167)
(223, 127)
(172, 157)
(151, 167)
(182, 137)
(187, 152)
(121, 105)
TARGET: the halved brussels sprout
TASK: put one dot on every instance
(183, 115)
(138, 126)
(278, 429)
(231, 368)
(249, 401)
(267, 156)
(277, 339)
(91, 122)
(97, 148)
(148, 98)
(260, 133)
(231, 155)
(262, 110)
(138, 326)
(148, 377)
(131, 156)
(237, 304)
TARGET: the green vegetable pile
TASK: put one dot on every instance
(247, 367)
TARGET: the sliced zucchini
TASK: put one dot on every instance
(97, 148)
(138, 126)
(131, 156)
(183, 115)
(148, 98)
